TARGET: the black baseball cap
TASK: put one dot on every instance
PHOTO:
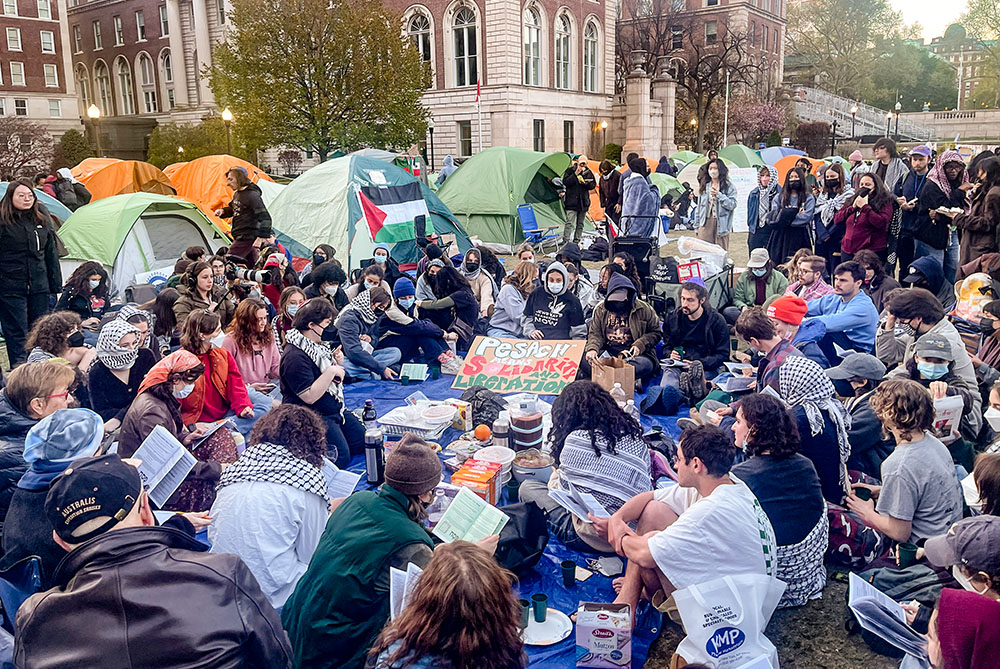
(91, 496)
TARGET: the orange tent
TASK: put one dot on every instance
(596, 212)
(105, 177)
(788, 162)
(203, 182)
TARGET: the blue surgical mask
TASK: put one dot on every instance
(408, 302)
(368, 286)
(94, 284)
(184, 392)
(932, 370)
(381, 259)
(292, 309)
(759, 271)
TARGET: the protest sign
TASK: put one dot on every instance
(543, 366)
(745, 180)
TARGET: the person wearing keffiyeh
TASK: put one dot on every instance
(120, 367)
(271, 505)
(947, 183)
(821, 419)
(759, 206)
(358, 328)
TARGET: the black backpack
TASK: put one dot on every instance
(523, 539)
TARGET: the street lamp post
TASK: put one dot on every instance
(430, 129)
(694, 132)
(888, 120)
(898, 108)
(227, 118)
(833, 139)
(604, 135)
(854, 117)
(95, 116)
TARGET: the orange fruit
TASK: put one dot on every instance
(482, 433)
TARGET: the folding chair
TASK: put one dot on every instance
(17, 583)
(532, 233)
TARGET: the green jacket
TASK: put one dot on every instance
(746, 288)
(336, 612)
(643, 322)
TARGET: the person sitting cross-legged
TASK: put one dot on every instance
(707, 526)
(358, 329)
(695, 332)
(848, 314)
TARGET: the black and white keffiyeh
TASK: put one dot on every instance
(272, 463)
(109, 349)
(802, 382)
(828, 205)
(320, 354)
(767, 195)
(130, 310)
(362, 304)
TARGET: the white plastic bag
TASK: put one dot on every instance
(725, 620)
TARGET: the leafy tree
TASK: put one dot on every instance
(72, 149)
(987, 91)
(914, 75)
(207, 138)
(613, 152)
(751, 120)
(774, 139)
(841, 40)
(982, 23)
(25, 147)
(813, 138)
(321, 75)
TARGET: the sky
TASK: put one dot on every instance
(932, 15)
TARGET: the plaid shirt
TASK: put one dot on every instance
(819, 288)
(767, 368)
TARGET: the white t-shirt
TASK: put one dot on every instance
(724, 534)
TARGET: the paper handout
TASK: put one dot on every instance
(579, 503)
(881, 615)
(469, 518)
(401, 585)
(339, 482)
(165, 462)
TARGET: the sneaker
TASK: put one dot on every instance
(685, 424)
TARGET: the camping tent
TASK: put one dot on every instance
(203, 181)
(105, 177)
(773, 154)
(324, 206)
(742, 155)
(486, 190)
(57, 210)
(136, 233)
(788, 162)
(269, 191)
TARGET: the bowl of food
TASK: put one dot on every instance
(438, 414)
(532, 464)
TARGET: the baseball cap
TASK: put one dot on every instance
(921, 150)
(758, 258)
(858, 366)
(933, 345)
(914, 275)
(788, 309)
(972, 542)
(619, 295)
(91, 496)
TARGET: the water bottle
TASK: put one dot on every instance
(374, 456)
(368, 415)
(632, 410)
(618, 395)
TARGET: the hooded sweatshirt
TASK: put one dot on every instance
(446, 171)
(640, 206)
(639, 327)
(481, 283)
(557, 315)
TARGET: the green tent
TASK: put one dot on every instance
(355, 201)
(486, 190)
(137, 236)
(666, 184)
(685, 157)
(742, 155)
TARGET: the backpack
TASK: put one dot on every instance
(486, 405)
(523, 539)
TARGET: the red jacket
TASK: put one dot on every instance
(866, 228)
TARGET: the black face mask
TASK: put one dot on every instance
(472, 266)
(794, 185)
(832, 183)
(75, 340)
(330, 333)
(618, 307)
(318, 259)
(864, 191)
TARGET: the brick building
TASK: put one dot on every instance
(34, 64)
(965, 54)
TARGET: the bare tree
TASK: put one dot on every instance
(25, 147)
(645, 25)
(290, 160)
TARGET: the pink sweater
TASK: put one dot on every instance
(261, 366)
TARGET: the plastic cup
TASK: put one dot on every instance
(569, 573)
(540, 606)
(525, 611)
(404, 380)
(435, 372)
(511, 487)
(863, 493)
(907, 554)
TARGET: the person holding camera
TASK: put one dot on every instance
(250, 220)
(578, 181)
(198, 291)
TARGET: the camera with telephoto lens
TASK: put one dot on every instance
(236, 269)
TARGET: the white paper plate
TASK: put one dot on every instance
(556, 627)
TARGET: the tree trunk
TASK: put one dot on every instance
(322, 152)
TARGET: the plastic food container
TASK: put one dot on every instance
(532, 464)
(438, 414)
(499, 454)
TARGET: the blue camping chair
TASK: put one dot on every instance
(532, 233)
(17, 583)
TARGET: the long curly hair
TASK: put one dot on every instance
(448, 281)
(905, 405)
(298, 429)
(772, 429)
(523, 277)
(462, 610)
(584, 405)
(78, 282)
(244, 326)
(49, 332)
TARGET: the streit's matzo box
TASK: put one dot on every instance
(603, 635)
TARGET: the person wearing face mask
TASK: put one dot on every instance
(759, 206)
(358, 328)
(86, 294)
(979, 225)
(291, 299)
(812, 184)
(373, 276)
(947, 183)
(835, 194)
(382, 258)
(333, 621)
(552, 311)
(714, 215)
(760, 283)
(790, 217)
(855, 379)
(418, 340)
(481, 282)
(320, 255)
(866, 219)
(58, 335)
(116, 375)
(328, 281)
(624, 325)
(768, 436)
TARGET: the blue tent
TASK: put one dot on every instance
(773, 154)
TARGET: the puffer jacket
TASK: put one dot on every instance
(250, 217)
(208, 612)
(14, 427)
(29, 264)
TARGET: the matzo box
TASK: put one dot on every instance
(603, 635)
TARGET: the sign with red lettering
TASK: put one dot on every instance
(543, 366)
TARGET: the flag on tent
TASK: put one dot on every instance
(390, 211)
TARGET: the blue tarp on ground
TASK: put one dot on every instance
(546, 577)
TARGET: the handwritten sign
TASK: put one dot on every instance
(543, 366)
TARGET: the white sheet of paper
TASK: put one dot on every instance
(165, 463)
(469, 518)
(881, 615)
(339, 482)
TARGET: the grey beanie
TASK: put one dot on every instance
(413, 467)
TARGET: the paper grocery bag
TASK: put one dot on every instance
(606, 372)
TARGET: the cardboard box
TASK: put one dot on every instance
(603, 635)
(606, 372)
(463, 415)
(482, 477)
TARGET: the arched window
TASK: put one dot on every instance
(166, 80)
(82, 85)
(102, 84)
(590, 52)
(466, 47)
(532, 48)
(563, 33)
(147, 81)
(419, 30)
(168, 70)
(124, 73)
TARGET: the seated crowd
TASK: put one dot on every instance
(833, 455)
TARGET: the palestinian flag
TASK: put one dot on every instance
(389, 211)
